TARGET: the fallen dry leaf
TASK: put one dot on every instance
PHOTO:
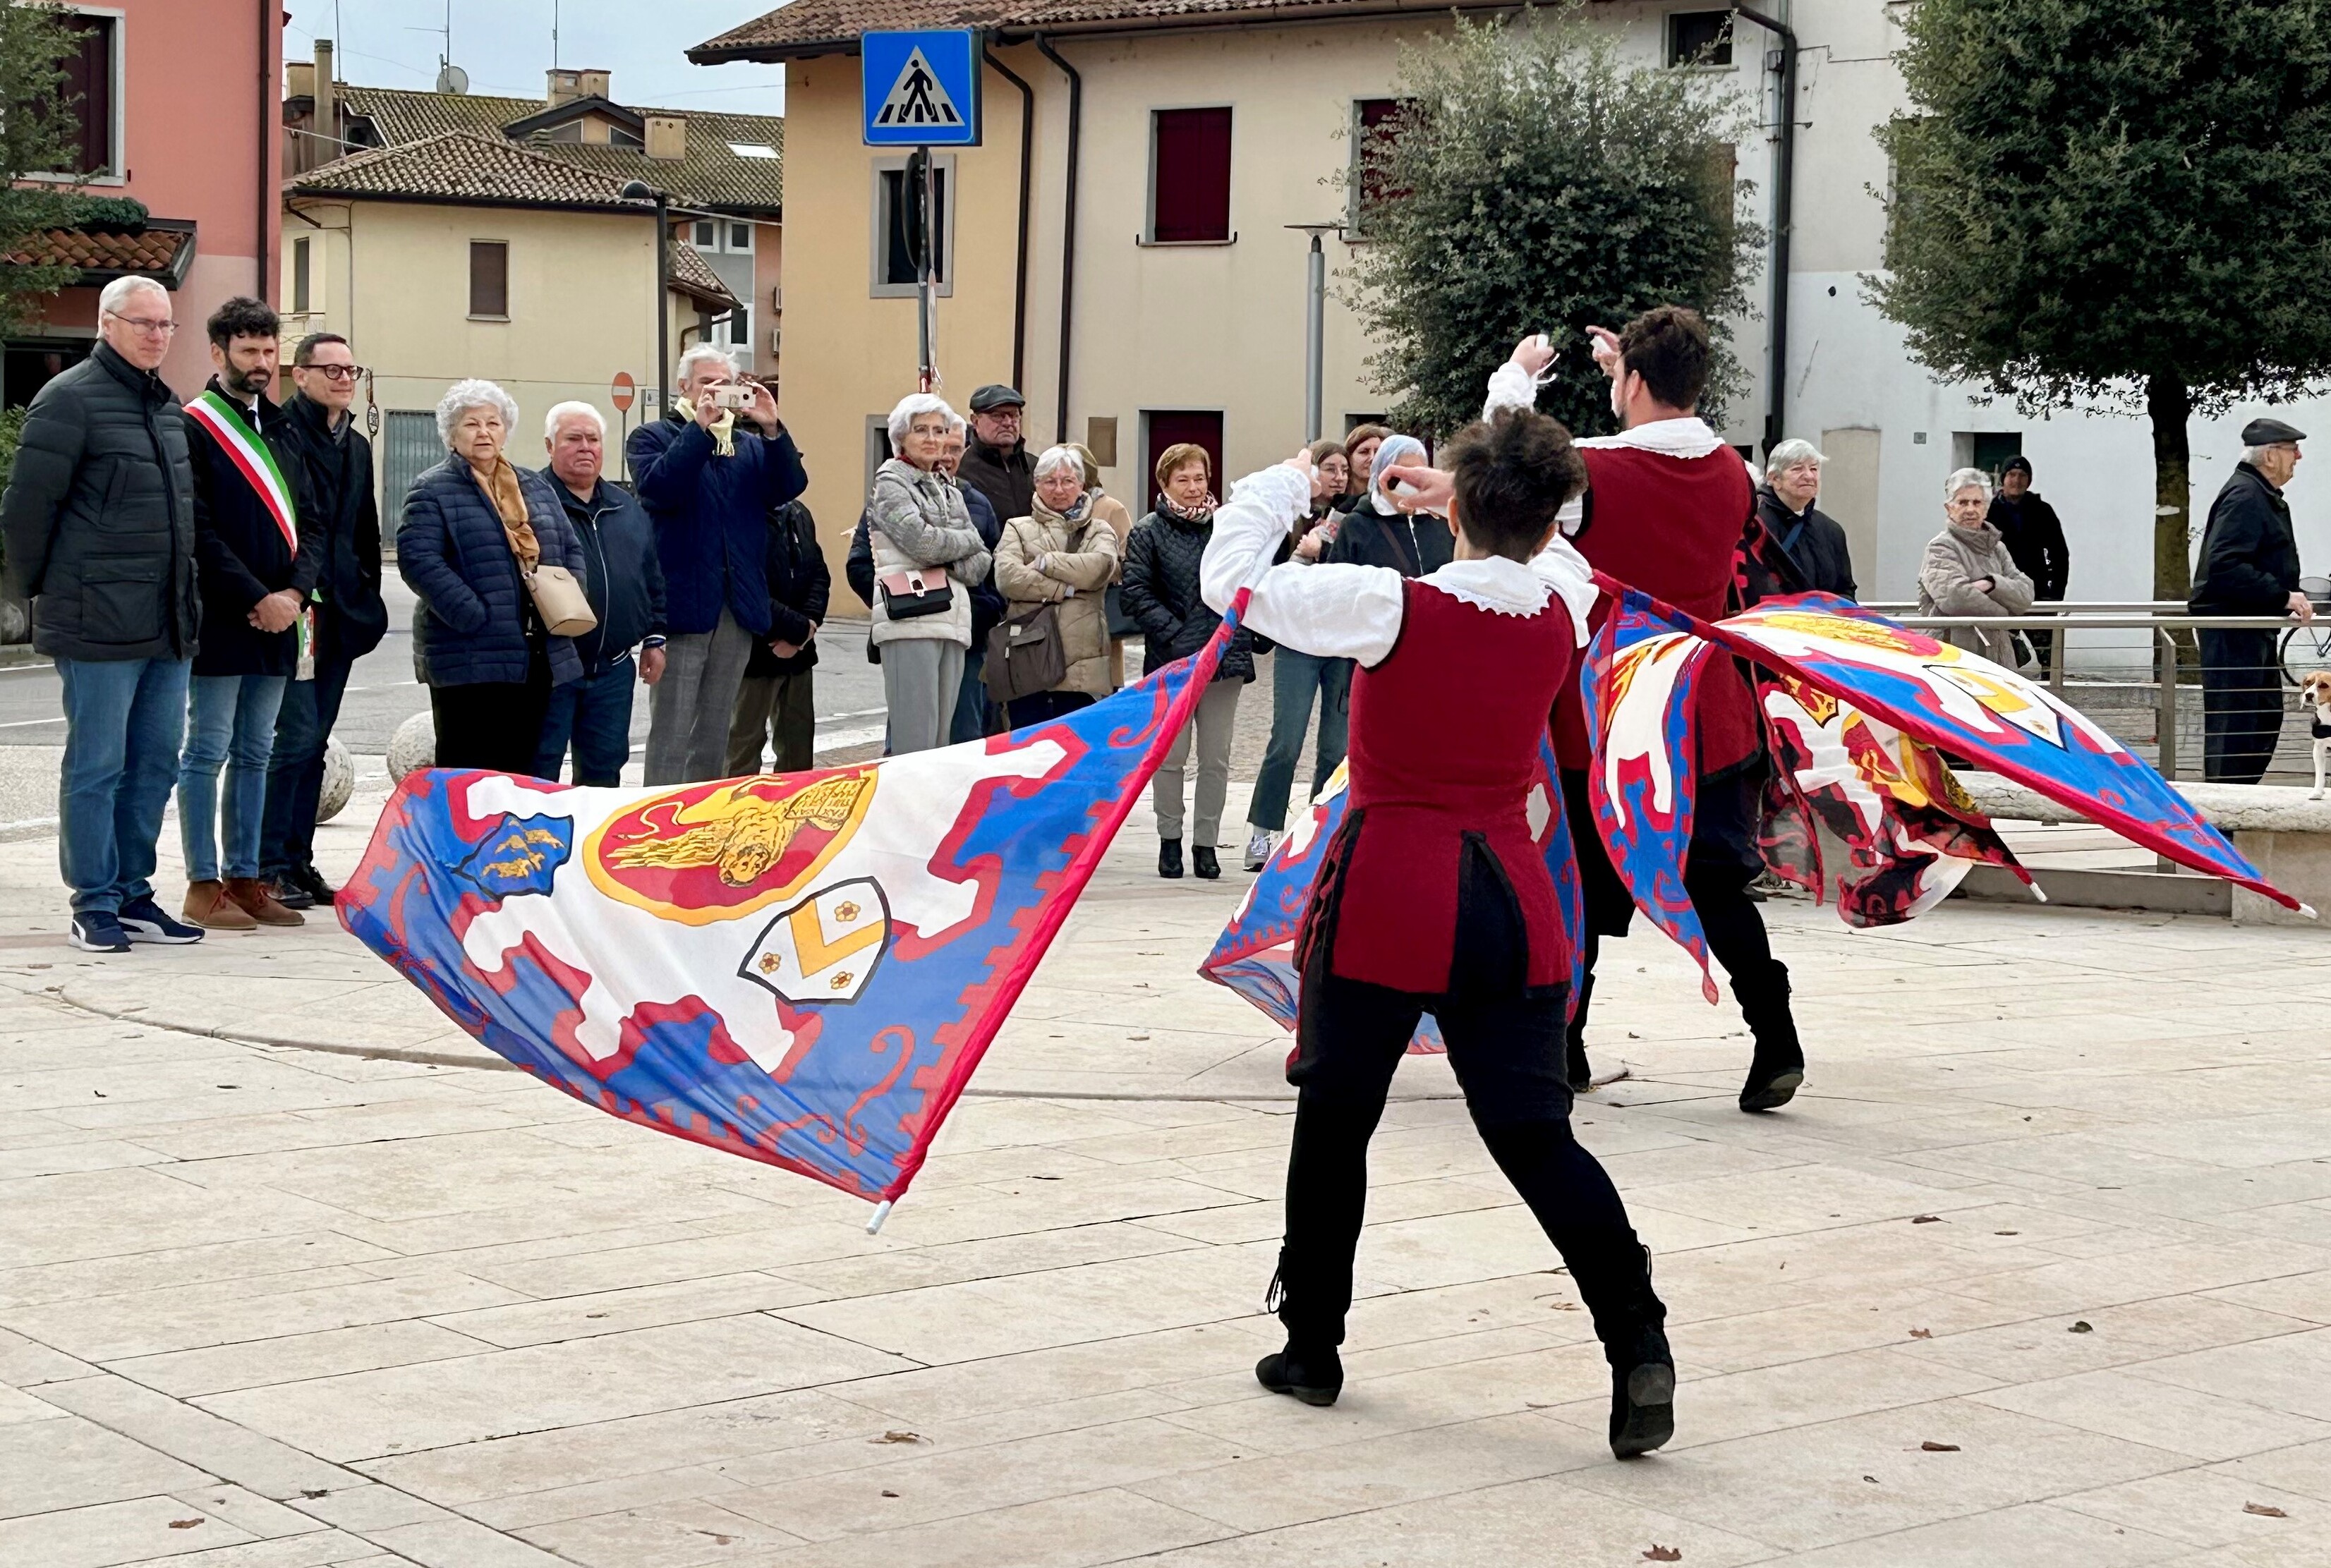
(184, 1523)
(889, 1494)
(1931, 1447)
(898, 1437)
(1922, 1334)
(315, 1492)
(1926, 1219)
(1659, 1553)
(2081, 1327)
(2007, 1232)
(717, 1538)
(1871, 1479)
(2264, 1510)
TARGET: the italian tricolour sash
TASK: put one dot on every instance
(242, 444)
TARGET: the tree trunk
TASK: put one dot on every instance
(2169, 404)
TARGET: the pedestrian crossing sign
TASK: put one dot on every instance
(920, 88)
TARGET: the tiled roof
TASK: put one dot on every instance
(460, 166)
(709, 175)
(692, 274)
(161, 252)
(808, 27)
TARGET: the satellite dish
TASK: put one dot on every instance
(454, 79)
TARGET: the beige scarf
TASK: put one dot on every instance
(509, 500)
(723, 429)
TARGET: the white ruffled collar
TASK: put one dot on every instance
(1495, 584)
(1688, 437)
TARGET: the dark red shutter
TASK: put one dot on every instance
(88, 92)
(488, 278)
(1191, 175)
(1379, 125)
(1172, 427)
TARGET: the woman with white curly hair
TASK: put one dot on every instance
(927, 557)
(475, 527)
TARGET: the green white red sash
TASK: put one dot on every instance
(242, 444)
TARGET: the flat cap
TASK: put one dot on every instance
(2257, 433)
(995, 396)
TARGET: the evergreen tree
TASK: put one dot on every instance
(1534, 182)
(39, 135)
(2127, 200)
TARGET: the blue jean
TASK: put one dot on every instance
(124, 719)
(595, 714)
(230, 720)
(1295, 680)
(295, 775)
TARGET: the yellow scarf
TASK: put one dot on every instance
(723, 430)
(509, 500)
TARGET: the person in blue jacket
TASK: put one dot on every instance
(709, 479)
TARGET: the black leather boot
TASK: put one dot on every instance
(1778, 1067)
(1612, 1271)
(1309, 1367)
(1202, 863)
(1643, 1394)
(1169, 859)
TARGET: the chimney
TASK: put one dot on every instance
(300, 78)
(667, 136)
(564, 87)
(326, 120)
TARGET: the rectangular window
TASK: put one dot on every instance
(738, 329)
(1699, 38)
(299, 261)
(88, 92)
(706, 235)
(1165, 427)
(1375, 125)
(740, 238)
(1190, 177)
(894, 274)
(489, 278)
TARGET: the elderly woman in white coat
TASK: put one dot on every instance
(926, 558)
(1064, 554)
(1967, 571)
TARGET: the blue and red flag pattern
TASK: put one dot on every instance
(803, 969)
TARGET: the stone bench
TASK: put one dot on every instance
(2285, 835)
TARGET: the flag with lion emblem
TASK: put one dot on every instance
(803, 969)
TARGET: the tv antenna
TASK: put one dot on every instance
(451, 78)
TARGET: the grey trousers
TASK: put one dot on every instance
(782, 709)
(1217, 714)
(689, 709)
(922, 678)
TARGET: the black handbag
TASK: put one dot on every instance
(906, 595)
(1026, 655)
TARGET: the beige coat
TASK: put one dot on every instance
(1956, 560)
(1046, 560)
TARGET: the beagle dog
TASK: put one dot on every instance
(2314, 691)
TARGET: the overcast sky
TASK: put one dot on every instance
(505, 46)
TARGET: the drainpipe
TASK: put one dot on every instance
(1783, 180)
(1027, 170)
(1069, 226)
(270, 115)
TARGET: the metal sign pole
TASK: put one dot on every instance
(926, 298)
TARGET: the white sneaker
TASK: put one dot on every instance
(1258, 848)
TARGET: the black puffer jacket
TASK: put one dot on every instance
(99, 515)
(1160, 591)
(800, 584)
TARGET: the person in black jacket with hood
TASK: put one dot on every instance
(1376, 533)
(2249, 567)
(99, 517)
(2035, 542)
(351, 617)
(622, 576)
(259, 544)
(777, 698)
(1160, 591)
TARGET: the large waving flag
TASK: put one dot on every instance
(803, 969)
(1255, 955)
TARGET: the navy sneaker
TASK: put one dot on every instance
(98, 931)
(143, 920)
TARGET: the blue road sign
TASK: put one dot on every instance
(920, 88)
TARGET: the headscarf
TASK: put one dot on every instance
(509, 499)
(1070, 520)
(723, 429)
(1397, 452)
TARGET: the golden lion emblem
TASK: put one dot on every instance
(749, 833)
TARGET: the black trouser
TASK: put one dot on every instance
(1505, 1044)
(496, 723)
(1722, 862)
(2241, 705)
(295, 772)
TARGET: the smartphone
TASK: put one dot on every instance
(735, 395)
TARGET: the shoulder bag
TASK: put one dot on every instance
(923, 591)
(559, 600)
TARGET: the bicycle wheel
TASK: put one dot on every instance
(2306, 650)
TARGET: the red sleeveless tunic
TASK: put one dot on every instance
(1444, 747)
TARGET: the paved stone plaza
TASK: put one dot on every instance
(2037, 1271)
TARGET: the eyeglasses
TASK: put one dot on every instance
(151, 328)
(335, 372)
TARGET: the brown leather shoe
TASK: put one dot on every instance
(208, 906)
(251, 896)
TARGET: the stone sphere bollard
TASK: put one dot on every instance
(413, 748)
(339, 781)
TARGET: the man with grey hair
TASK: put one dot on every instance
(1812, 556)
(100, 519)
(2249, 567)
(709, 473)
(623, 580)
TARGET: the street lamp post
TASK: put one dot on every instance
(641, 191)
(1315, 333)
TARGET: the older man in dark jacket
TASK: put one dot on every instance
(351, 618)
(623, 580)
(99, 518)
(2249, 567)
(996, 461)
(709, 483)
(778, 699)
